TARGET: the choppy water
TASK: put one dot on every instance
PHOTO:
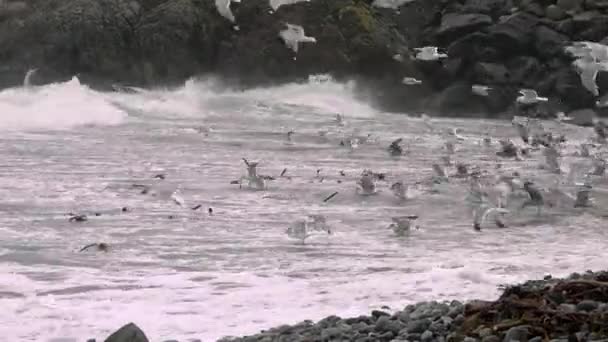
(66, 148)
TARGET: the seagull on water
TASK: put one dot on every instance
(401, 191)
(293, 35)
(411, 81)
(255, 181)
(366, 185)
(429, 53)
(535, 197)
(303, 229)
(395, 149)
(402, 224)
(482, 207)
(530, 96)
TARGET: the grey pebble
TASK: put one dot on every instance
(426, 336)
(587, 305)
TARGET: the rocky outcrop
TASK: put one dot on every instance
(128, 333)
(505, 44)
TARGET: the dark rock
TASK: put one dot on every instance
(514, 35)
(128, 333)
(518, 333)
(490, 338)
(548, 42)
(587, 305)
(582, 117)
(384, 323)
(378, 314)
(457, 24)
(490, 74)
(418, 326)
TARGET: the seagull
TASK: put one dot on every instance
(482, 207)
(529, 96)
(275, 4)
(339, 120)
(600, 130)
(27, 80)
(402, 224)
(552, 159)
(440, 175)
(561, 116)
(411, 81)
(480, 90)
(254, 180)
(293, 35)
(318, 223)
(395, 149)
(523, 130)
(450, 148)
(508, 149)
(536, 198)
(599, 167)
(583, 197)
(429, 53)
(454, 133)
(289, 134)
(223, 7)
(366, 185)
(401, 191)
(303, 229)
(102, 247)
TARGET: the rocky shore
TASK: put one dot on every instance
(573, 309)
(505, 44)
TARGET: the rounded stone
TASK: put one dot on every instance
(554, 12)
(569, 5)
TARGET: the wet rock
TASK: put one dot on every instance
(418, 326)
(582, 117)
(587, 305)
(518, 333)
(555, 12)
(426, 336)
(569, 5)
(491, 338)
(457, 24)
(128, 333)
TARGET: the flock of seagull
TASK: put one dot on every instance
(490, 196)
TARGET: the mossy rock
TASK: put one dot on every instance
(355, 20)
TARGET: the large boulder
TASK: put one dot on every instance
(454, 25)
(128, 333)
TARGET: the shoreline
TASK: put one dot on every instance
(573, 308)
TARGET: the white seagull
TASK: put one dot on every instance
(429, 53)
(480, 90)
(411, 81)
(402, 224)
(223, 7)
(530, 96)
(293, 35)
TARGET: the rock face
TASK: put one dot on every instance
(128, 333)
(505, 44)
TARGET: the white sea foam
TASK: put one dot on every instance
(56, 106)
